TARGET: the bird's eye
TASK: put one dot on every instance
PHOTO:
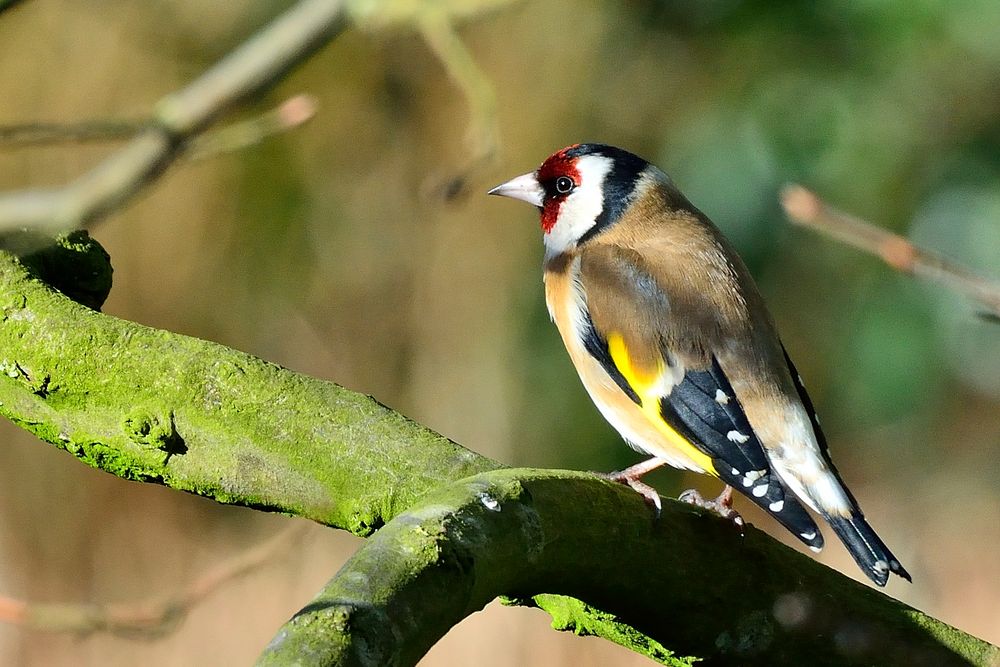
(564, 185)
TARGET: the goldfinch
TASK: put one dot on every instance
(676, 348)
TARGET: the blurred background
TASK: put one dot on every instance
(350, 250)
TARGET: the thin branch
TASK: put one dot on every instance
(805, 208)
(438, 30)
(690, 587)
(42, 134)
(437, 23)
(250, 68)
(147, 619)
(292, 113)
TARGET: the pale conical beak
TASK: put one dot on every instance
(524, 187)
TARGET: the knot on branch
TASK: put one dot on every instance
(151, 430)
(73, 263)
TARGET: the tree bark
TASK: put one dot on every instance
(154, 406)
(682, 588)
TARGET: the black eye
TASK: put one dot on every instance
(564, 185)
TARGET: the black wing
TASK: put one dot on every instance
(704, 409)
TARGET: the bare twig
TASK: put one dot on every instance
(438, 30)
(437, 23)
(178, 117)
(805, 208)
(252, 67)
(40, 134)
(292, 113)
(144, 618)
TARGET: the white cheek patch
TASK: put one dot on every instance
(580, 209)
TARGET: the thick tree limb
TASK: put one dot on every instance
(153, 406)
(687, 581)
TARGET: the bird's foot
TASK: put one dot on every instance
(630, 476)
(723, 505)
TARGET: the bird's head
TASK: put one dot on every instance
(579, 191)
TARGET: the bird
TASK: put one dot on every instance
(675, 346)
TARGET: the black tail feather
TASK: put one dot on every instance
(868, 550)
(777, 501)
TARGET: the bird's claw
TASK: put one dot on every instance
(723, 505)
(647, 492)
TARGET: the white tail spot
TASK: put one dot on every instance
(811, 535)
(736, 436)
(777, 506)
(721, 397)
(760, 491)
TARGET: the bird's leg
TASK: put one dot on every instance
(723, 505)
(631, 475)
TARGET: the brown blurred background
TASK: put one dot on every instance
(330, 250)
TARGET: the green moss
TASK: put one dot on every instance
(572, 615)
(156, 406)
(72, 263)
(971, 648)
(155, 430)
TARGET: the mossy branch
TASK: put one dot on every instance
(154, 406)
(687, 581)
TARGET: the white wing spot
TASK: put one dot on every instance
(752, 477)
(736, 436)
(721, 397)
(777, 506)
(760, 491)
(736, 471)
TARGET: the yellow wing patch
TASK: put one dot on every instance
(648, 385)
